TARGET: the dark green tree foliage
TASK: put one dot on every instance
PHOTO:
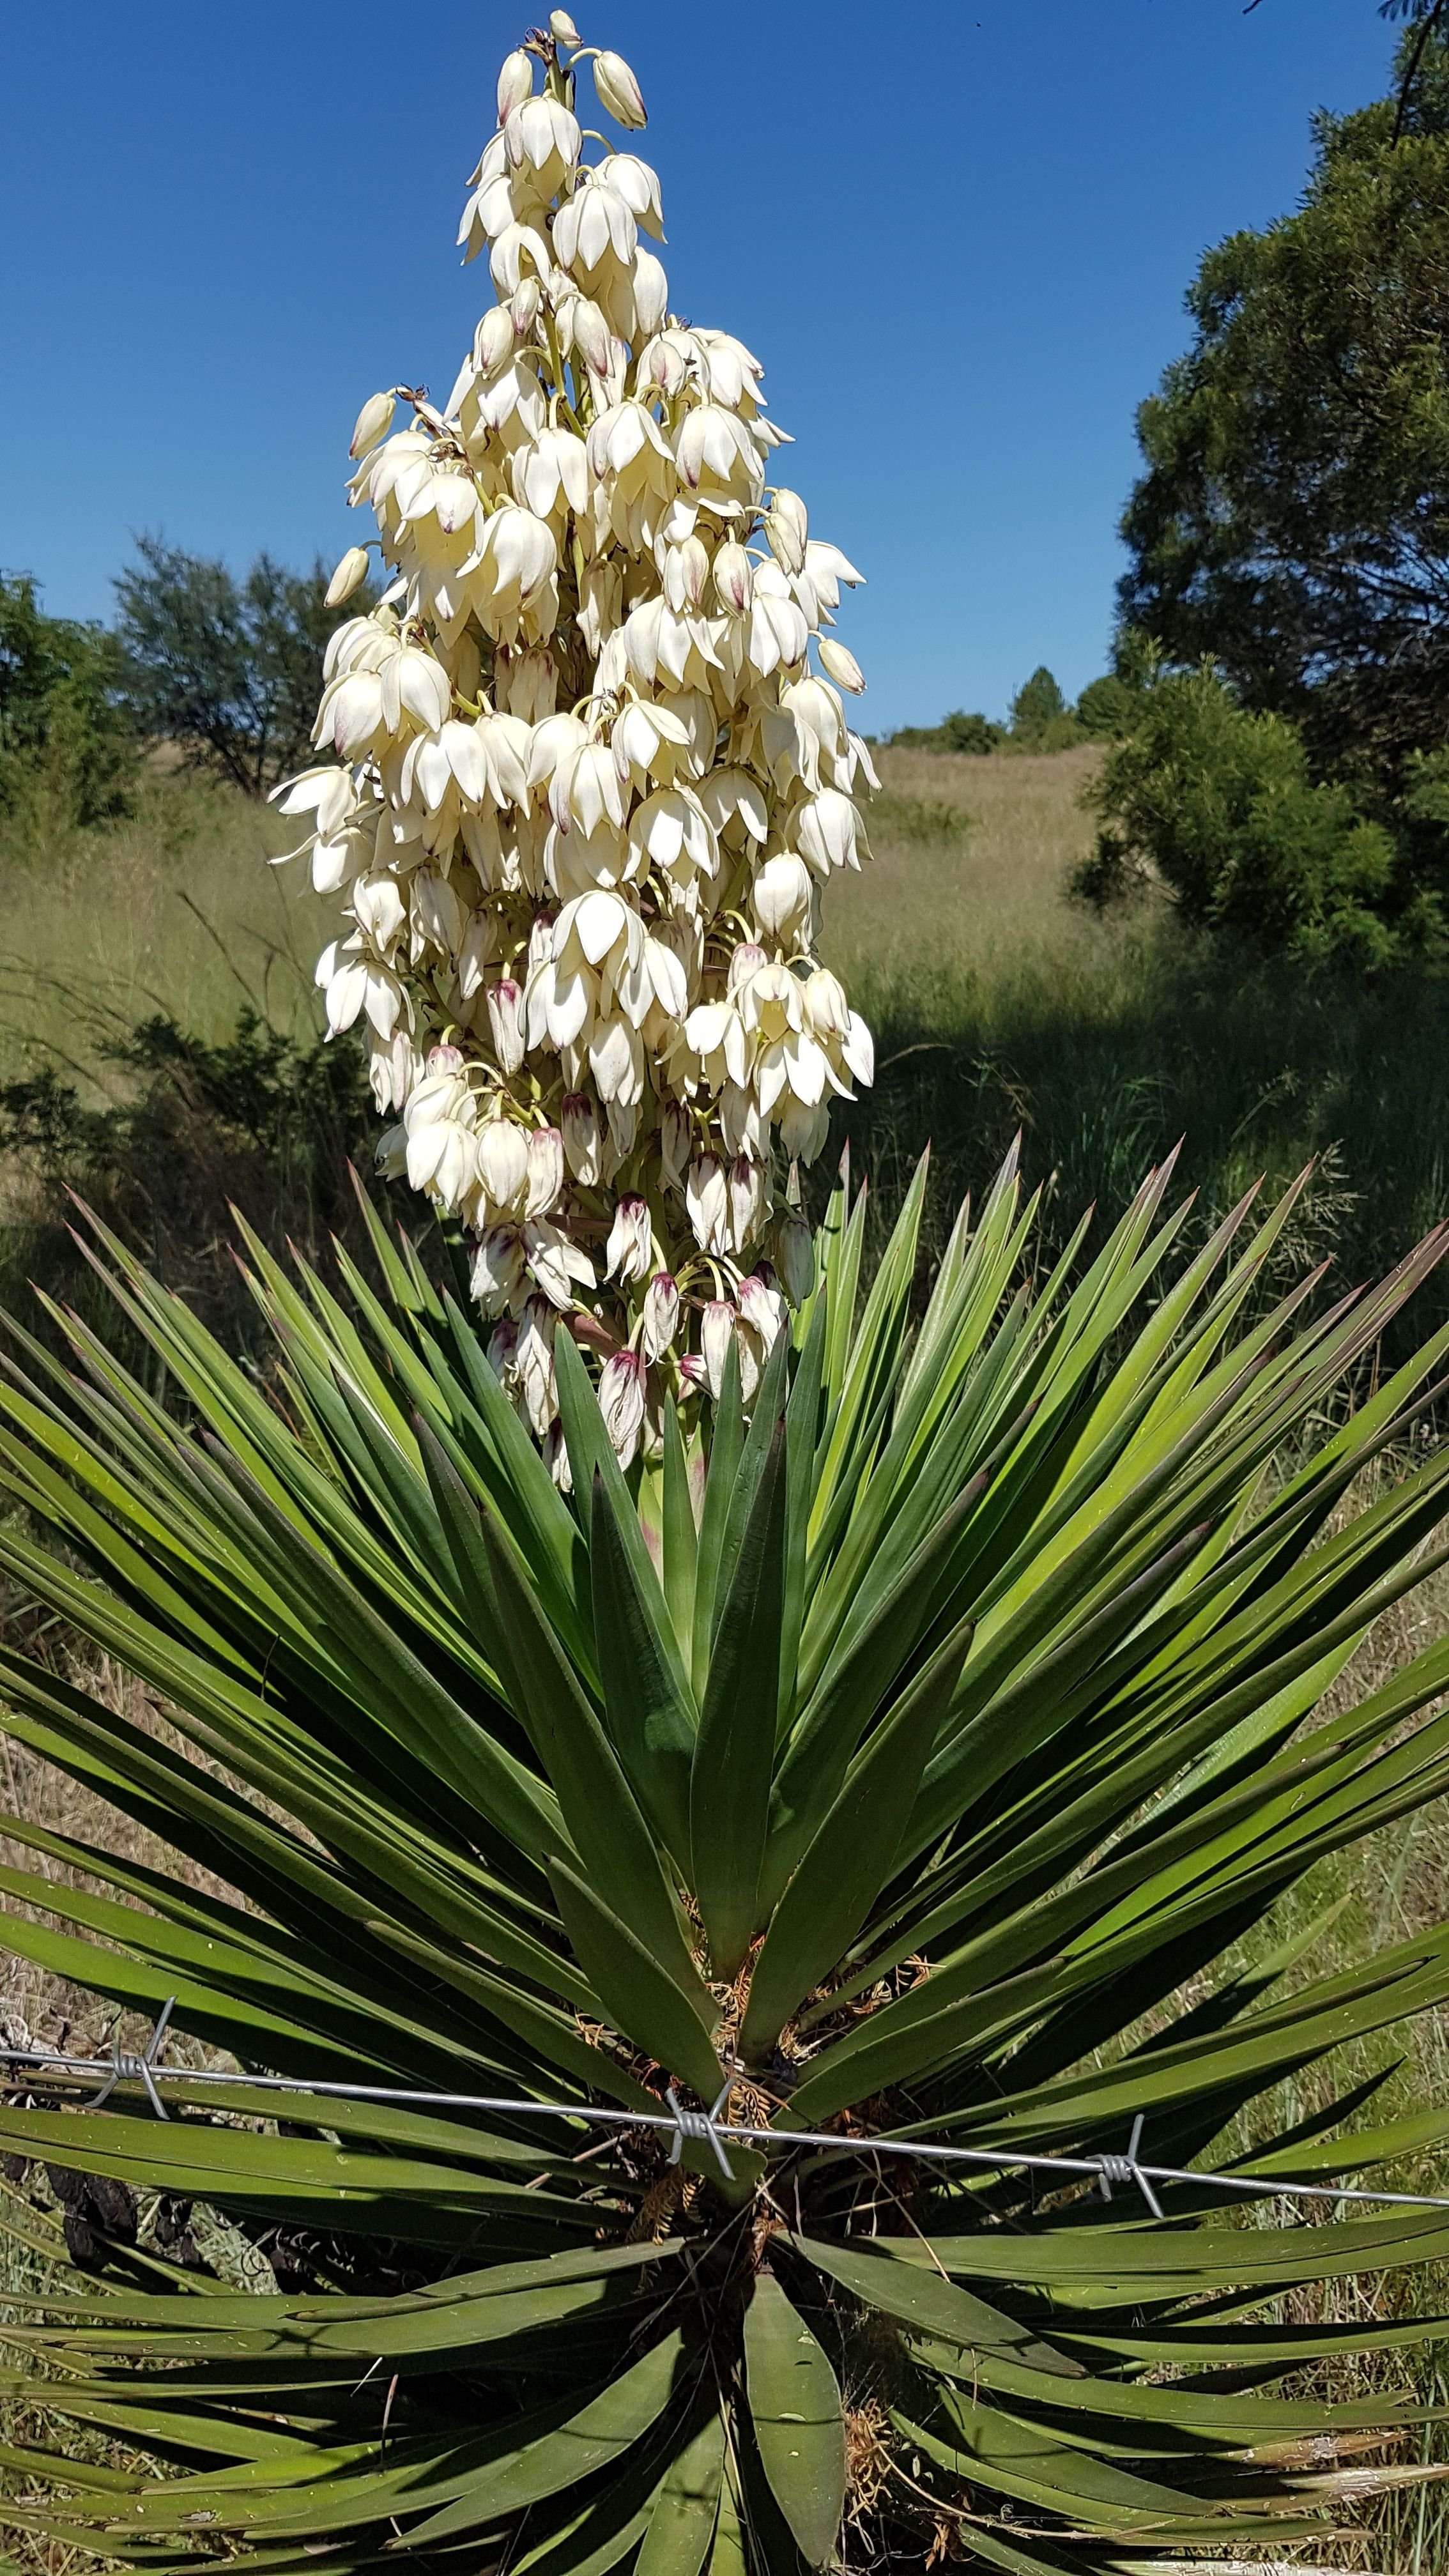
(1217, 801)
(65, 741)
(957, 732)
(231, 670)
(1107, 707)
(1293, 519)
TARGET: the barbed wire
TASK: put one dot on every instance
(686, 2126)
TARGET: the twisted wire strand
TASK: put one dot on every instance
(685, 2126)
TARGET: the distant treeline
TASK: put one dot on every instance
(1041, 719)
(227, 669)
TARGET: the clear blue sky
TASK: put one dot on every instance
(963, 268)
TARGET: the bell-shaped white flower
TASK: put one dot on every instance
(706, 1197)
(621, 1403)
(717, 1332)
(629, 1254)
(545, 1171)
(579, 1121)
(780, 897)
(660, 1318)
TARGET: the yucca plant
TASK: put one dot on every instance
(896, 1757)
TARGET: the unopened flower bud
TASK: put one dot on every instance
(674, 1142)
(562, 29)
(556, 1458)
(502, 1346)
(351, 573)
(706, 1195)
(747, 1201)
(762, 1308)
(502, 1161)
(734, 579)
(446, 1059)
(515, 83)
(493, 340)
(524, 305)
(579, 1120)
(630, 1251)
(618, 90)
(373, 422)
(661, 1314)
(534, 1362)
(796, 1256)
(497, 1267)
(591, 336)
(827, 1012)
(716, 1333)
(545, 1171)
(746, 961)
(621, 1402)
(505, 1017)
(840, 666)
(787, 527)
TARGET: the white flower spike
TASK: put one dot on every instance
(581, 788)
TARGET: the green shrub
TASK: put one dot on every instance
(258, 1122)
(1107, 707)
(974, 734)
(1219, 804)
(67, 753)
(918, 818)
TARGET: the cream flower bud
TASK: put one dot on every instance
(786, 527)
(446, 1059)
(746, 1201)
(827, 1012)
(497, 1268)
(717, 1331)
(762, 1308)
(745, 961)
(618, 90)
(661, 1314)
(734, 579)
(494, 339)
(591, 336)
(351, 573)
(579, 1120)
(515, 84)
(524, 306)
(621, 1402)
(545, 1171)
(503, 1346)
(561, 27)
(674, 1141)
(502, 1154)
(505, 1018)
(534, 1362)
(796, 1256)
(780, 895)
(373, 423)
(840, 666)
(706, 1195)
(651, 294)
(630, 1250)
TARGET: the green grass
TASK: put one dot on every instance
(175, 910)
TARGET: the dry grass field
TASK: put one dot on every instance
(969, 868)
